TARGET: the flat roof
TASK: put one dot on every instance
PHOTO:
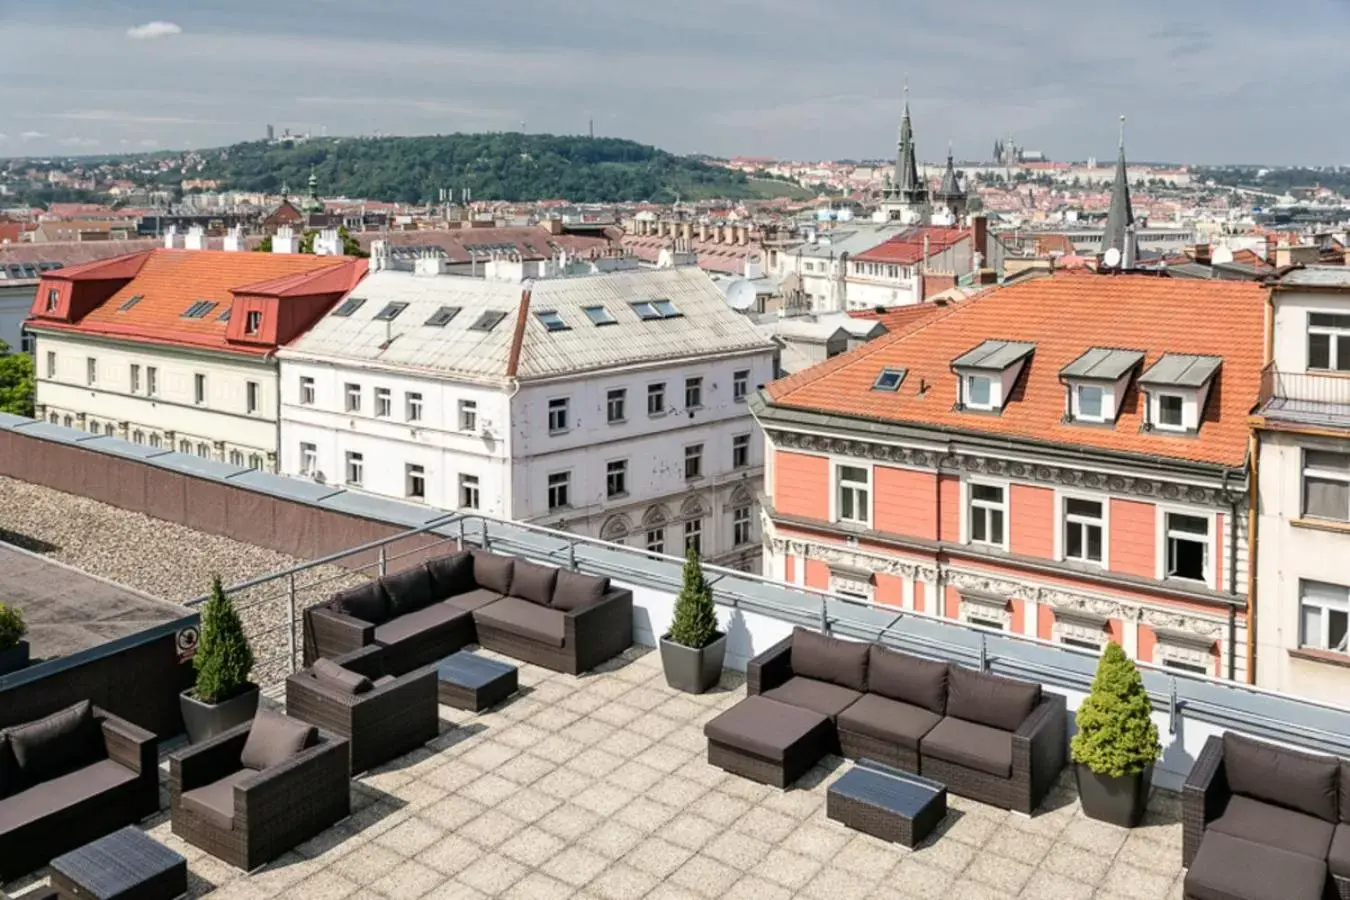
(1182, 370)
(1103, 362)
(997, 355)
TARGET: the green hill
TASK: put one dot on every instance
(507, 166)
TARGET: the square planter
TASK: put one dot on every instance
(203, 721)
(693, 670)
(15, 658)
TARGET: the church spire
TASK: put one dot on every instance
(1120, 218)
(906, 163)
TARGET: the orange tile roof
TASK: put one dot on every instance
(900, 318)
(1064, 316)
(907, 249)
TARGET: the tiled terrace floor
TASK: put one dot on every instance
(598, 787)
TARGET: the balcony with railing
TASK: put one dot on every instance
(1305, 398)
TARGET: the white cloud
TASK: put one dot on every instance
(151, 30)
(149, 142)
(78, 142)
(31, 135)
(127, 118)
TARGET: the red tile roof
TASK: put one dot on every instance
(907, 249)
(1065, 316)
(900, 318)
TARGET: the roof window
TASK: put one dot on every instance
(441, 317)
(1177, 387)
(889, 380)
(661, 308)
(552, 321)
(599, 316)
(199, 310)
(645, 311)
(225, 316)
(666, 309)
(488, 320)
(390, 312)
(130, 302)
(988, 372)
(349, 306)
(1096, 383)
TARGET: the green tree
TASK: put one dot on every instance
(224, 658)
(307, 240)
(1116, 735)
(264, 246)
(350, 245)
(18, 382)
(695, 623)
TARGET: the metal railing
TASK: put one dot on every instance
(1324, 394)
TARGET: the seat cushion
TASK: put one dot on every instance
(62, 792)
(1230, 868)
(451, 575)
(970, 744)
(1288, 778)
(334, 676)
(409, 590)
(62, 742)
(528, 620)
(416, 623)
(829, 659)
(991, 700)
(215, 801)
(274, 739)
(909, 679)
(888, 720)
(492, 571)
(474, 599)
(369, 603)
(383, 680)
(533, 582)
(576, 591)
(1266, 823)
(765, 727)
(819, 696)
(1338, 857)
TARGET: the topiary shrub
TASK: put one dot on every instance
(224, 659)
(695, 623)
(1116, 735)
(12, 627)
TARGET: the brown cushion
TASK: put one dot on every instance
(1002, 703)
(274, 739)
(1266, 823)
(899, 676)
(819, 696)
(829, 659)
(1287, 778)
(56, 744)
(369, 603)
(474, 599)
(333, 675)
(533, 582)
(1338, 857)
(215, 802)
(1345, 793)
(492, 571)
(888, 720)
(424, 622)
(9, 769)
(576, 591)
(525, 619)
(408, 591)
(84, 785)
(971, 745)
(451, 575)
(1230, 868)
(767, 729)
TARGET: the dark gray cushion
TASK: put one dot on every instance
(56, 744)
(9, 769)
(1266, 823)
(765, 728)
(215, 802)
(1002, 703)
(84, 785)
(575, 591)
(971, 745)
(525, 619)
(884, 719)
(474, 599)
(1338, 857)
(819, 696)
(492, 571)
(1345, 793)
(274, 739)
(408, 591)
(909, 679)
(829, 659)
(369, 603)
(1288, 778)
(533, 582)
(338, 678)
(1229, 868)
(384, 679)
(451, 574)
(437, 616)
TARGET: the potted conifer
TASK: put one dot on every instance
(13, 648)
(693, 650)
(1116, 744)
(223, 697)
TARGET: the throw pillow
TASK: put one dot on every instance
(368, 603)
(332, 674)
(829, 659)
(492, 571)
(59, 743)
(533, 582)
(1283, 777)
(575, 591)
(909, 679)
(408, 591)
(451, 575)
(273, 739)
(1002, 703)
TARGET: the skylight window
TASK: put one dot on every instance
(655, 309)
(390, 312)
(666, 309)
(645, 311)
(441, 317)
(600, 316)
(349, 306)
(131, 301)
(552, 321)
(889, 380)
(199, 310)
(487, 321)
(225, 316)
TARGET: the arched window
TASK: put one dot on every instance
(236, 457)
(255, 461)
(204, 451)
(54, 418)
(154, 441)
(615, 529)
(108, 429)
(92, 426)
(185, 446)
(69, 422)
(138, 437)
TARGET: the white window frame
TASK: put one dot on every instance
(151, 381)
(1334, 333)
(693, 452)
(966, 504)
(412, 406)
(1162, 513)
(1078, 413)
(693, 387)
(616, 469)
(353, 463)
(384, 403)
(740, 443)
(656, 390)
(470, 496)
(559, 415)
(740, 385)
(616, 405)
(468, 415)
(838, 486)
(135, 371)
(306, 390)
(967, 396)
(351, 394)
(1325, 606)
(562, 483)
(656, 539)
(309, 458)
(693, 535)
(1157, 405)
(1061, 524)
(252, 322)
(1340, 475)
(413, 474)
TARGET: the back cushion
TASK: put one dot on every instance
(492, 571)
(829, 659)
(62, 742)
(533, 582)
(451, 575)
(1284, 777)
(1001, 703)
(908, 679)
(333, 675)
(1345, 793)
(273, 739)
(9, 774)
(575, 591)
(369, 603)
(408, 591)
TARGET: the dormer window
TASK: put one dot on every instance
(988, 372)
(1171, 410)
(1177, 388)
(53, 298)
(979, 392)
(1089, 403)
(253, 322)
(1096, 382)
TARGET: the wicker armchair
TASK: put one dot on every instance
(394, 717)
(273, 809)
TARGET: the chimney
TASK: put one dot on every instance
(429, 264)
(979, 229)
(285, 241)
(687, 230)
(234, 239)
(379, 256)
(172, 239)
(741, 235)
(923, 263)
(328, 243)
(196, 238)
(1202, 254)
(702, 231)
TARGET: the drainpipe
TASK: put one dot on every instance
(1232, 576)
(1253, 547)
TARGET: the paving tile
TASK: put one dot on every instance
(1076, 863)
(558, 748)
(532, 847)
(766, 824)
(409, 838)
(786, 868)
(796, 803)
(1046, 885)
(1098, 837)
(1008, 875)
(663, 757)
(622, 882)
(612, 839)
(522, 736)
(595, 762)
(918, 879)
(604, 799)
(562, 783)
(537, 886)
(528, 806)
(1025, 848)
(720, 808)
(492, 874)
(636, 776)
(489, 790)
(657, 856)
(867, 857)
(953, 856)
(452, 812)
(365, 864)
(668, 891)
(450, 855)
(408, 879)
(698, 769)
(968, 829)
(689, 830)
(453, 776)
(326, 885)
(644, 814)
(490, 828)
(553, 718)
(575, 866)
(1131, 881)
(675, 791)
(524, 769)
(969, 889)
(753, 888)
(455, 890)
(833, 883)
(616, 714)
(705, 875)
(1154, 855)
(740, 851)
(818, 840)
(569, 822)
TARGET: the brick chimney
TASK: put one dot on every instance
(1202, 254)
(979, 230)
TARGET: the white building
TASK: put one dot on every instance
(612, 405)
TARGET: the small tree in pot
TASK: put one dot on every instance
(223, 696)
(693, 650)
(13, 648)
(1116, 744)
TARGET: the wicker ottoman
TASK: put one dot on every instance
(768, 741)
(1229, 868)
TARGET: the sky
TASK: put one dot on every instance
(1206, 82)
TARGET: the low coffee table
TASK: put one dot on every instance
(886, 803)
(126, 865)
(473, 682)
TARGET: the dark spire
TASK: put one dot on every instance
(1121, 216)
(950, 189)
(906, 181)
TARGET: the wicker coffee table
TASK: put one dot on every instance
(886, 803)
(125, 865)
(470, 681)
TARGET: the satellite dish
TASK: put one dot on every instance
(1111, 259)
(740, 294)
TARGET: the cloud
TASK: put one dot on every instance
(149, 142)
(78, 142)
(32, 136)
(152, 30)
(127, 118)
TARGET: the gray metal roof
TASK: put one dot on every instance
(994, 355)
(1106, 363)
(1317, 276)
(1181, 370)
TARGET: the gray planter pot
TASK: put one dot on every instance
(694, 671)
(1118, 801)
(15, 658)
(204, 721)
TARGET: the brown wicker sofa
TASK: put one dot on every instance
(552, 617)
(1265, 821)
(992, 739)
(70, 778)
